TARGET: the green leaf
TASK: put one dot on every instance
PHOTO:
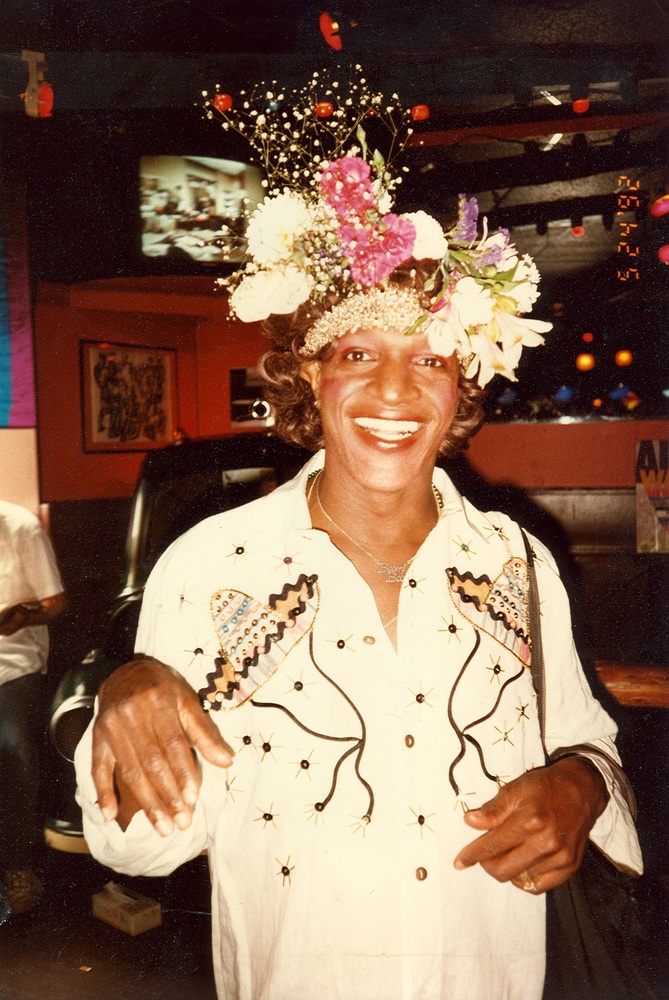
(361, 136)
(415, 326)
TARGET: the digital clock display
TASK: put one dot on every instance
(628, 247)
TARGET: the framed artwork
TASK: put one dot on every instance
(128, 396)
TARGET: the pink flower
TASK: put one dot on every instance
(374, 252)
(347, 189)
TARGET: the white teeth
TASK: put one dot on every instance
(389, 430)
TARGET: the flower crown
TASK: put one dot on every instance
(326, 232)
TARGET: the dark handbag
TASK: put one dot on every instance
(593, 932)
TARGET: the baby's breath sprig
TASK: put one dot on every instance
(294, 133)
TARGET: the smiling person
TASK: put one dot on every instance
(342, 711)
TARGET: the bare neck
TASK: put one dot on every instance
(378, 518)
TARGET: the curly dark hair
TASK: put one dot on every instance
(297, 418)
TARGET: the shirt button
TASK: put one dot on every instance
(369, 640)
(409, 740)
(421, 874)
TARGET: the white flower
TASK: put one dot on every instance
(276, 226)
(489, 360)
(430, 241)
(441, 338)
(498, 345)
(385, 202)
(525, 294)
(472, 302)
(519, 332)
(527, 270)
(279, 290)
(467, 305)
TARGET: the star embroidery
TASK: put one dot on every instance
(504, 735)
(452, 629)
(238, 550)
(465, 547)
(285, 870)
(496, 669)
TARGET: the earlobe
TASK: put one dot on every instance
(310, 371)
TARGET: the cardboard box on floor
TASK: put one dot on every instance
(126, 910)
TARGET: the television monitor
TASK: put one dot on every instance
(196, 207)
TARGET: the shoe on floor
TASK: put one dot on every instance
(23, 889)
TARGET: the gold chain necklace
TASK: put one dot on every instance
(393, 573)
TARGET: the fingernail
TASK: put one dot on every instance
(107, 813)
(163, 826)
(459, 865)
(182, 820)
(190, 796)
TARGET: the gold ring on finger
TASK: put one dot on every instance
(529, 885)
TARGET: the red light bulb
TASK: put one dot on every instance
(222, 102)
(660, 207)
(330, 31)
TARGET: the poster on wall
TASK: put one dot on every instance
(128, 396)
(652, 496)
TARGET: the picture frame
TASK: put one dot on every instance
(128, 394)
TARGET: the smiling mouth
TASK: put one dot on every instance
(388, 430)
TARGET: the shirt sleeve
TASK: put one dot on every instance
(574, 716)
(38, 562)
(170, 612)
(139, 850)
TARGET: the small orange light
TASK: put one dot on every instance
(578, 231)
(581, 106)
(624, 358)
(324, 109)
(588, 337)
(585, 362)
(420, 112)
(596, 403)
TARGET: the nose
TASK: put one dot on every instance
(394, 381)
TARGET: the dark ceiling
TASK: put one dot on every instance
(491, 72)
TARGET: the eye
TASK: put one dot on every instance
(431, 362)
(357, 354)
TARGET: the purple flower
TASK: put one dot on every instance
(495, 248)
(468, 215)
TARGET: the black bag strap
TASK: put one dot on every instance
(537, 654)
(539, 680)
